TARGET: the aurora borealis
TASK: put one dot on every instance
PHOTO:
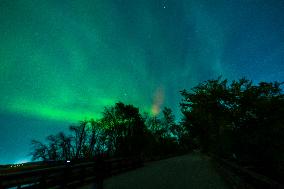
(63, 61)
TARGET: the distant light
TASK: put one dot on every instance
(68, 161)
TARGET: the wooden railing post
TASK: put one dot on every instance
(42, 181)
(66, 176)
(100, 173)
(82, 174)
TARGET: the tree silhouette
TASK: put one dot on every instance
(125, 129)
(39, 151)
(80, 133)
(64, 144)
(238, 119)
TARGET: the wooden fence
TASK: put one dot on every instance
(68, 175)
(240, 177)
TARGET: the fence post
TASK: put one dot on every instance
(1, 184)
(66, 176)
(42, 183)
(100, 173)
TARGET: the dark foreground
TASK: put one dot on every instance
(188, 171)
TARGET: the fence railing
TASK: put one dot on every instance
(249, 178)
(68, 175)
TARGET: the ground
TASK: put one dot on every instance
(193, 171)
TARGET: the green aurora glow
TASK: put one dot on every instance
(66, 60)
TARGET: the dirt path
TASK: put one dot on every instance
(190, 171)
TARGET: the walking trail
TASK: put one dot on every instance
(192, 171)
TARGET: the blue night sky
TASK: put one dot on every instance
(63, 61)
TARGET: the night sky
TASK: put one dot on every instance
(62, 61)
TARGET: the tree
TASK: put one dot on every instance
(53, 149)
(97, 139)
(64, 144)
(154, 126)
(125, 129)
(79, 139)
(206, 112)
(238, 118)
(40, 151)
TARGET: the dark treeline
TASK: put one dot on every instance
(239, 121)
(122, 131)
